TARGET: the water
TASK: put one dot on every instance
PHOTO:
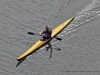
(77, 53)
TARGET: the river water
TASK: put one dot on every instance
(77, 54)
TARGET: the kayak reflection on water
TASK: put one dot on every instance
(50, 47)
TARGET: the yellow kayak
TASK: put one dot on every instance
(39, 43)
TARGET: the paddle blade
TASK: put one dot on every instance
(58, 38)
(31, 33)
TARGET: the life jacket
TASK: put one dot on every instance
(48, 33)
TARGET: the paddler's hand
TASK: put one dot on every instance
(40, 34)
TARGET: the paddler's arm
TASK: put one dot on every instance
(40, 34)
(50, 30)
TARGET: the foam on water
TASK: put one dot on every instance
(87, 14)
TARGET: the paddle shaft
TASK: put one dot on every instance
(31, 33)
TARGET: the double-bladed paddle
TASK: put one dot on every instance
(31, 33)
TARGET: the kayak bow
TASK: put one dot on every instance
(39, 43)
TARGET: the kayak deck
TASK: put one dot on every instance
(39, 43)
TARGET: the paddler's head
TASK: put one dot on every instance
(47, 27)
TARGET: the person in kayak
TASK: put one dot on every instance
(46, 34)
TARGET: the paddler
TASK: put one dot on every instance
(46, 34)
